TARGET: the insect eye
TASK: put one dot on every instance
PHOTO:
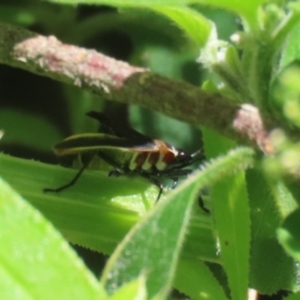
(181, 153)
(181, 156)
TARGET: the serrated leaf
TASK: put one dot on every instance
(287, 34)
(289, 236)
(195, 25)
(98, 211)
(267, 256)
(152, 247)
(81, 211)
(125, 3)
(291, 50)
(194, 279)
(36, 263)
(248, 9)
(77, 214)
(232, 217)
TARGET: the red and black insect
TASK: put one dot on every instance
(125, 153)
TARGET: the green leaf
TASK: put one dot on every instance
(21, 15)
(247, 9)
(125, 3)
(270, 202)
(99, 210)
(232, 218)
(133, 290)
(152, 247)
(193, 278)
(93, 214)
(36, 263)
(285, 92)
(21, 128)
(287, 34)
(293, 297)
(80, 212)
(196, 26)
(289, 236)
(209, 141)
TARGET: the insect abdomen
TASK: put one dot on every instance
(144, 160)
(148, 160)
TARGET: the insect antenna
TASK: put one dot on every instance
(198, 155)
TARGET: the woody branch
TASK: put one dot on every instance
(118, 81)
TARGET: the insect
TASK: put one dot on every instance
(125, 152)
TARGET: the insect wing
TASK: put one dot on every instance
(122, 151)
(119, 129)
(88, 142)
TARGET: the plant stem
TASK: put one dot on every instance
(118, 81)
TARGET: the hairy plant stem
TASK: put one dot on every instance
(118, 81)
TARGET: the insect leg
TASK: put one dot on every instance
(175, 181)
(73, 181)
(155, 182)
(115, 173)
(174, 174)
(118, 169)
(202, 205)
